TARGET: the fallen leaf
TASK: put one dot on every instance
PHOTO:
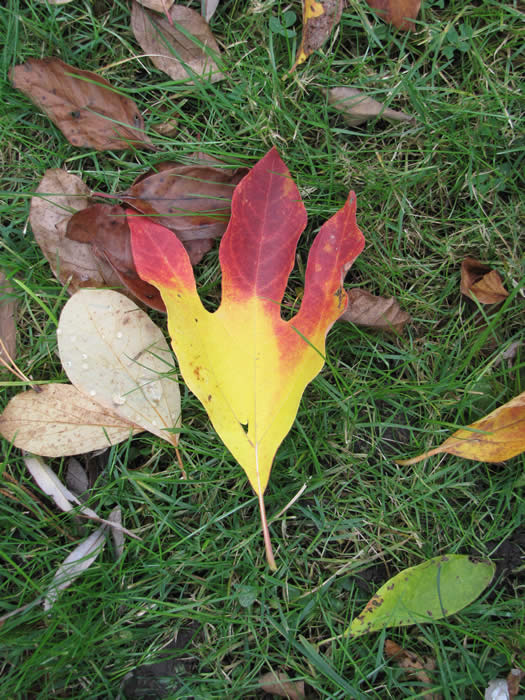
(106, 229)
(62, 496)
(281, 685)
(516, 675)
(246, 365)
(57, 197)
(113, 352)
(208, 8)
(55, 2)
(116, 533)
(430, 591)
(181, 50)
(162, 6)
(193, 201)
(8, 306)
(498, 436)
(400, 13)
(358, 108)
(77, 479)
(77, 562)
(365, 309)
(413, 665)
(479, 282)
(59, 421)
(85, 107)
(319, 18)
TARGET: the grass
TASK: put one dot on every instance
(429, 193)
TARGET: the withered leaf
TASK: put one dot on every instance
(358, 108)
(105, 228)
(208, 8)
(192, 200)
(280, 684)
(400, 13)
(59, 420)
(84, 106)
(157, 5)
(8, 306)
(365, 309)
(57, 197)
(170, 48)
(478, 281)
(319, 18)
(413, 665)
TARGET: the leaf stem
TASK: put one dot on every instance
(266, 534)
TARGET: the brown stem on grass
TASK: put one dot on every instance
(419, 458)
(266, 534)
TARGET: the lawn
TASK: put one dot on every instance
(195, 593)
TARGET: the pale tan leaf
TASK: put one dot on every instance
(170, 49)
(281, 685)
(59, 195)
(78, 561)
(478, 281)
(113, 352)
(357, 108)
(365, 309)
(59, 420)
(208, 8)
(77, 479)
(8, 306)
(157, 5)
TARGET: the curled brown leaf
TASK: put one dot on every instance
(365, 309)
(357, 108)
(319, 19)
(478, 281)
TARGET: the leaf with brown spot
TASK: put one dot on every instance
(193, 201)
(59, 420)
(57, 197)
(181, 49)
(400, 13)
(8, 306)
(365, 309)
(357, 108)
(106, 229)
(413, 665)
(281, 685)
(319, 19)
(85, 107)
(479, 282)
(498, 436)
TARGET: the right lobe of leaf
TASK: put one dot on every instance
(57, 197)
(440, 586)
(59, 420)
(113, 352)
(84, 106)
(105, 227)
(178, 52)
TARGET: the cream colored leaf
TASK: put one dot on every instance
(78, 561)
(59, 420)
(113, 352)
(358, 108)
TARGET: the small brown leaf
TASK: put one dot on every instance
(170, 48)
(400, 13)
(105, 227)
(357, 108)
(478, 281)
(498, 436)
(84, 106)
(8, 306)
(319, 18)
(281, 685)
(192, 200)
(59, 420)
(365, 309)
(514, 678)
(412, 664)
(58, 195)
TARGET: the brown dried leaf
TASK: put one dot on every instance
(412, 664)
(170, 49)
(58, 195)
(400, 13)
(281, 685)
(514, 678)
(59, 420)
(319, 18)
(478, 281)
(84, 106)
(357, 108)
(365, 309)
(106, 229)
(191, 200)
(8, 306)
(162, 6)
